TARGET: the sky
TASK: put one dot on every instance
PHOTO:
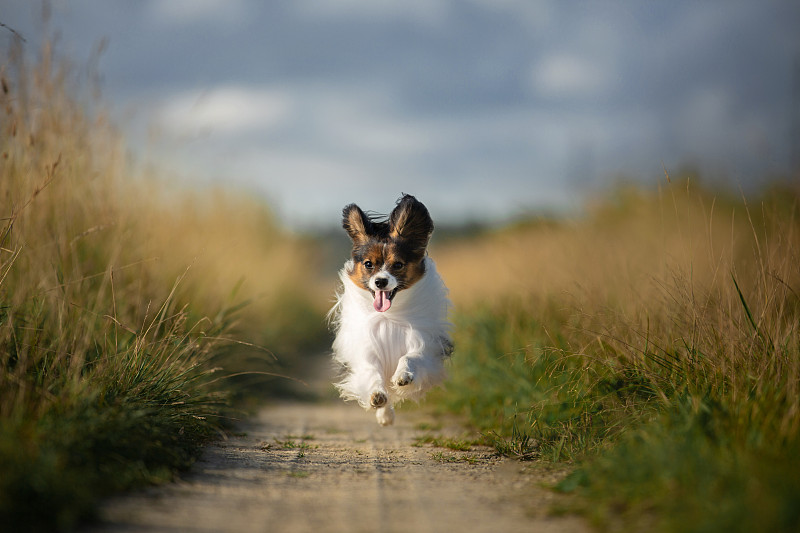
(483, 109)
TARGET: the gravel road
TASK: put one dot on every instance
(328, 467)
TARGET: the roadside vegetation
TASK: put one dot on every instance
(653, 342)
(119, 299)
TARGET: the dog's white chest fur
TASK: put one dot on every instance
(395, 355)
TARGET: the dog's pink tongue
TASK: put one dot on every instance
(382, 302)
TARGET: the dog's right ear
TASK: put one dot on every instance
(356, 223)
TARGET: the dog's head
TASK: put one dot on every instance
(388, 255)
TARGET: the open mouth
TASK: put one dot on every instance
(383, 300)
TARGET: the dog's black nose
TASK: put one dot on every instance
(381, 282)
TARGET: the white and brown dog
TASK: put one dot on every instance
(390, 318)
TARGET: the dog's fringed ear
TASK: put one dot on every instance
(411, 222)
(356, 223)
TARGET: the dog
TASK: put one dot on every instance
(390, 317)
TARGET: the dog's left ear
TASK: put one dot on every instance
(356, 223)
(411, 222)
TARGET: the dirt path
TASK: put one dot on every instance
(329, 467)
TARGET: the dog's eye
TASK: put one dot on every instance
(368, 265)
(397, 265)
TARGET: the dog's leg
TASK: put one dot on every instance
(365, 383)
(375, 388)
(406, 370)
(420, 370)
(385, 415)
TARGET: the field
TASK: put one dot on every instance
(651, 342)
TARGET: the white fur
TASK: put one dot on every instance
(391, 281)
(380, 351)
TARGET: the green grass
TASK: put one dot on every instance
(90, 408)
(528, 398)
(678, 405)
(687, 471)
(459, 444)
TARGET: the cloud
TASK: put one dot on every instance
(427, 12)
(196, 11)
(565, 75)
(471, 103)
(364, 121)
(228, 110)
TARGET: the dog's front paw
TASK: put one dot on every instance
(404, 378)
(378, 399)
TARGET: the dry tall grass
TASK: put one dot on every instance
(670, 316)
(115, 296)
(623, 243)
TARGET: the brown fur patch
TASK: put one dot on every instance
(411, 222)
(356, 223)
